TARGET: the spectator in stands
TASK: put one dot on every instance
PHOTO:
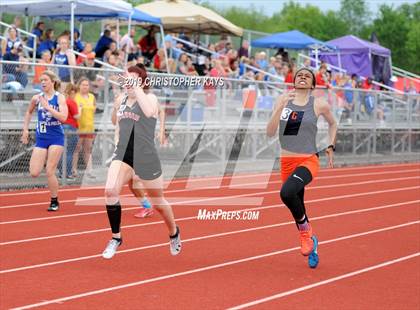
(244, 50)
(354, 81)
(369, 100)
(87, 51)
(70, 127)
(159, 61)
(221, 45)
(63, 55)
(181, 66)
(190, 67)
(8, 82)
(242, 65)
(87, 105)
(284, 55)
(277, 71)
(348, 96)
(261, 61)
(288, 74)
(218, 70)
(226, 66)
(177, 50)
(65, 33)
(78, 44)
(112, 49)
(10, 41)
(38, 31)
(411, 89)
(127, 43)
(212, 54)
(321, 76)
(115, 61)
(103, 44)
(231, 55)
(307, 63)
(17, 71)
(47, 43)
(88, 62)
(45, 59)
(17, 22)
(169, 44)
(148, 46)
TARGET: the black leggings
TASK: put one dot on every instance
(293, 190)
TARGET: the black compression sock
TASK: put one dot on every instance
(114, 217)
(118, 239)
(176, 234)
(54, 199)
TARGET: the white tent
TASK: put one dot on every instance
(186, 16)
(64, 7)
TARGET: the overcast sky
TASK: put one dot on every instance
(271, 6)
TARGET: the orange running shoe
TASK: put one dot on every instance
(306, 242)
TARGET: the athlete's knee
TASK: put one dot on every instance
(288, 191)
(34, 173)
(111, 193)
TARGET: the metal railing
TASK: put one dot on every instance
(209, 126)
(33, 48)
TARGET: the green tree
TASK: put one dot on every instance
(355, 13)
(412, 47)
(392, 27)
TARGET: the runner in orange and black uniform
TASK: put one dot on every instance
(296, 115)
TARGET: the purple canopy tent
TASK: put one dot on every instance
(360, 57)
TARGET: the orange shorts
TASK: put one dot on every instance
(289, 163)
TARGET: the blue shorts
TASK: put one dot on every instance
(46, 142)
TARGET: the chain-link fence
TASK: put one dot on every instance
(210, 129)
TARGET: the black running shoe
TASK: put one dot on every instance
(53, 206)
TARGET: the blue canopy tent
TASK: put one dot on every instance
(65, 7)
(135, 15)
(293, 39)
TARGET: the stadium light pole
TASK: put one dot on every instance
(72, 7)
(129, 29)
(162, 33)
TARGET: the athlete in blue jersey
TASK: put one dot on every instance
(52, 111)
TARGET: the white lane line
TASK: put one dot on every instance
(166, 182)
(209, 236)
(188, 218)
(195, 201)
(206, 268)
(324, 282)
(193, 179)
(133, 200)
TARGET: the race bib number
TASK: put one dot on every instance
(42, 127)
(121, 110)
(285, 114)
(294, 120)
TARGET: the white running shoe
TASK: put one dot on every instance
(175, 243)
(111, 248)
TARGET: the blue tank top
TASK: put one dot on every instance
(61, 59)
(48, 126)
(10, 43)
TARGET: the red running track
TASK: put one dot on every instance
(367, 219)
